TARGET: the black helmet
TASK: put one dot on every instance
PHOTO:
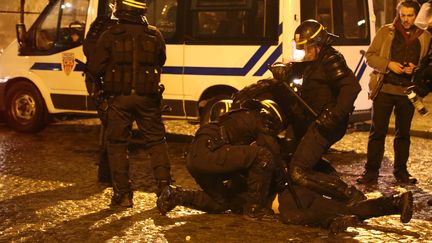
(311, 32)
(219, 108)
(131, 10)
(270, 113)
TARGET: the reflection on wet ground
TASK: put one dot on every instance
(49, 193)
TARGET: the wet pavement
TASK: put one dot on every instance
(49, 193)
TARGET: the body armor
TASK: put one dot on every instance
(133, 67)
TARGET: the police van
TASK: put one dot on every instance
(214, 48)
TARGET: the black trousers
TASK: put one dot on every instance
(383, 106)
(146, 112)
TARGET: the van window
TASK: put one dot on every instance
(53, 36)
(346, 18)
(238, 21)
(163, 15)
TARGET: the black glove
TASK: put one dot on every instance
(327, 120)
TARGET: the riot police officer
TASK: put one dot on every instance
(240, 145)
(330, 88)
(129, 57)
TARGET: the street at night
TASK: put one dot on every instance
(49, 193)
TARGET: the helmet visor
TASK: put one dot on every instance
(305, 51)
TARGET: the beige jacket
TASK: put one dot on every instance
(378, 57)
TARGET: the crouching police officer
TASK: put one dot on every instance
(129, 57)
(330, 88)
(240, 146)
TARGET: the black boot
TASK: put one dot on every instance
(256, 212)
(161, 185)
(404, 203)
(368, 177)
(404, 177)
(169, 198)
(122, 200)
(341, 223)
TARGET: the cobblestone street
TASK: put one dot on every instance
(49, 193)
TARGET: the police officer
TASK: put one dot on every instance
(129, 57)
(329, 88)
(240, 145)
(94, 87)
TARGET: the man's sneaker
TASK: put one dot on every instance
(368, 178)
(166, 201)
(406, 206)
(405, 177)
(122, 200)
(341, 223)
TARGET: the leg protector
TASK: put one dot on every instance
(119, 163)
(160, 161)
(258, 183)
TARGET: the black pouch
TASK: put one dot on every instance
(214, 143)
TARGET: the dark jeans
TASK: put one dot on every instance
(383, 106)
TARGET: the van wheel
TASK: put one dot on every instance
(205, 112)
(25, 108)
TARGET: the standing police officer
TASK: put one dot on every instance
(129, 56)
(330, 88)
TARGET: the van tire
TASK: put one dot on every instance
(25, 108)
(205, 111)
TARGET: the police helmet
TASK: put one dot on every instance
(311, 32)
(270, 113)
(131, 10)
(219, 108)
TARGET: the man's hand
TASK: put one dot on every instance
(408, 69)
(396, 67)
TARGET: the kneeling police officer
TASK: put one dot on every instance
(240, 145)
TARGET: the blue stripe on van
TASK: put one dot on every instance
(46, 66)
(270, 60)
(178, 70)
(55, 66)
(219, 70)
(361, 71)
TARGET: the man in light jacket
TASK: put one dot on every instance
(395, 51)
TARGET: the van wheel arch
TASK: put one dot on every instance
(25, 107)
(210, 97)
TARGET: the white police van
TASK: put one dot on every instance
(214, 48)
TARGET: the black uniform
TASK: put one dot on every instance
(330, 89)
(232, 160)
(129, 57)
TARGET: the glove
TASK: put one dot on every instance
(279, 70)
(327, 120)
